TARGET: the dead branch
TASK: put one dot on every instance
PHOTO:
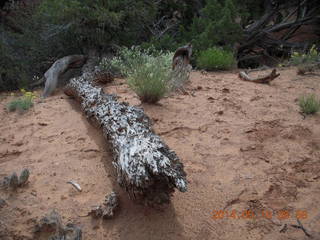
(270, 37)
(300, 226)
(264, 79)
(58, 68)
(182, 56)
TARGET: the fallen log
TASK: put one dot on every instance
(145, 165)
(263, 79)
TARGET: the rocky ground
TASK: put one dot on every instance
(245, 146)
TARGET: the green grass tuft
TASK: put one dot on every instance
(23, 103)
(309, 104)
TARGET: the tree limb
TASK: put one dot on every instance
(264, 79)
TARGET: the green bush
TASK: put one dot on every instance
(216, 26)
(148, 71)
(215, 59)
(23, 103)
(309, 104)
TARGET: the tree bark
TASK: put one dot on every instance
(145, 165)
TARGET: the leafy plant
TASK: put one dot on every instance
(309, 104)
(23, 103)
(215, 59)
(311, 56)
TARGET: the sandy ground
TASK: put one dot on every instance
(244, 146)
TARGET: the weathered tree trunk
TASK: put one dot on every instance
(145, 165)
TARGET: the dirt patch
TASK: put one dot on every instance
(244, 146)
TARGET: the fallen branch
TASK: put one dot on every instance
(300, 226)
(264, 79)
(59, 67)
(145, 165)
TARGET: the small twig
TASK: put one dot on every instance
(300, 226)
(76, 185)
(265, 79)
(284, 228)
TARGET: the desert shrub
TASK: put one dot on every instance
(150, 81)
(148, 71)
(215, 59)
(309, 104)
(22, 103)
(129, 59)
(311, 56)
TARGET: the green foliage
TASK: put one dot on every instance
(23, 103)
(34, 36)
(216, 26)
(215, 59)
(100, 23)
(309, 104)
(312, 56)
(37, 35)
(29, 47)
(148, 71)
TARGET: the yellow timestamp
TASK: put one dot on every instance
(251, 214)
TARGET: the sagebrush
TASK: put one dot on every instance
(148, 71)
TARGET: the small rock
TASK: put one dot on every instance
(42, 124)
(34, 193)
(13, 181)
(51, 227)
(226, 90)
(203, 129)
(110, 204)
(63, 197)
(18, 144)
(106, 210)
(2, 203)
(95, 226)
(24, 176)
(220, 112)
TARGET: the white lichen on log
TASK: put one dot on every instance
(145, 165)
